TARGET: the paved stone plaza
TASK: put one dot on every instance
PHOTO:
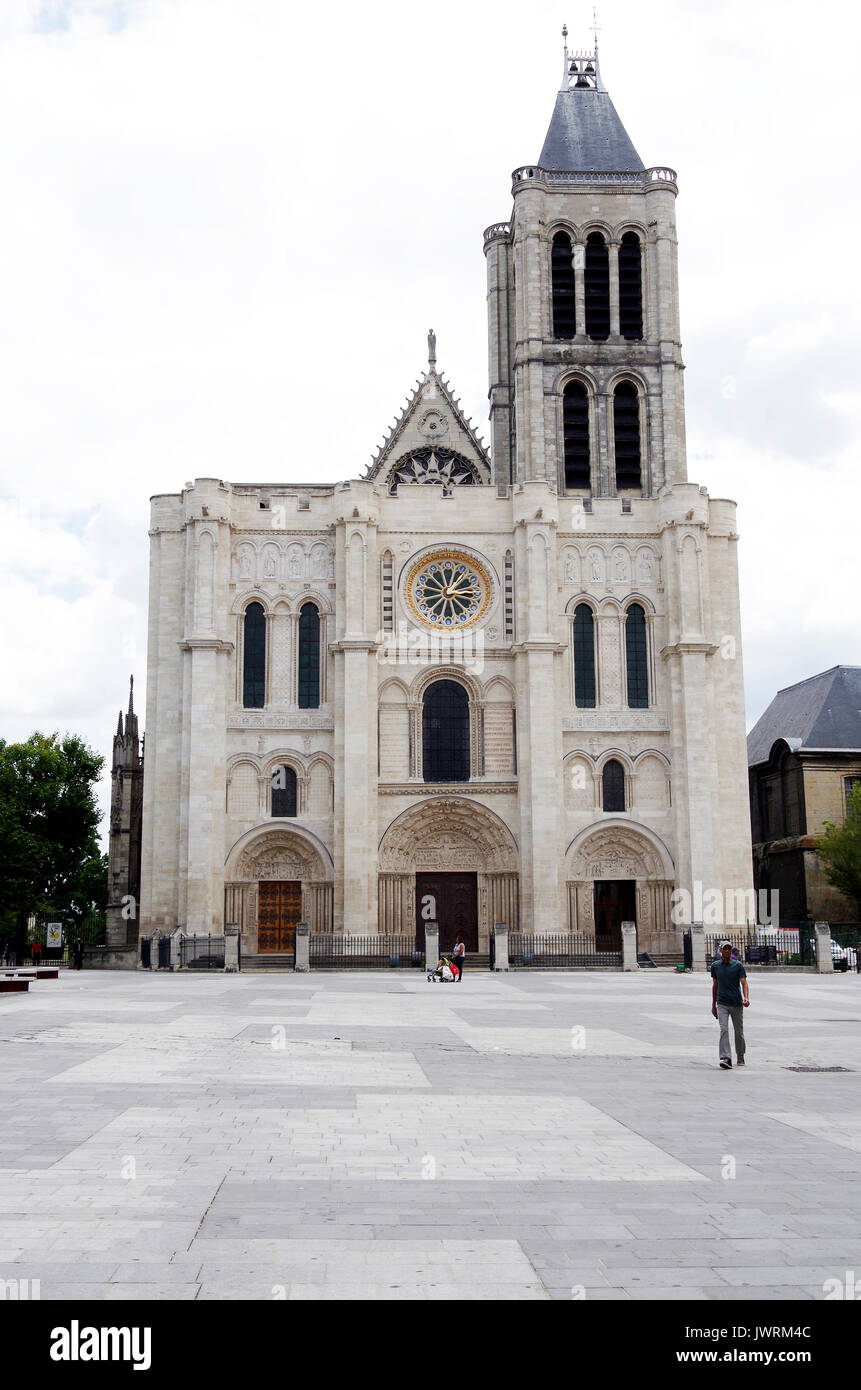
(370, 1135)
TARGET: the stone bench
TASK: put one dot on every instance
(8, 986)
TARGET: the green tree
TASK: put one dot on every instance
(49, 851)
(840, 849)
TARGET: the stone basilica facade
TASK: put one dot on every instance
(507, 681)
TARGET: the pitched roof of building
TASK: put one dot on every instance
(822, 712)
(585, 133)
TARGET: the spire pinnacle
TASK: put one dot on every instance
(131, 694)
(431, 350)
(585, 132)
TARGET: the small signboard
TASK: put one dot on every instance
(54, 937)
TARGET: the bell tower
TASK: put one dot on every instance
(584, 343)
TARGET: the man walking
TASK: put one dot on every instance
(729, 979)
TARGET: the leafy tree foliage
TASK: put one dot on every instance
(840, 850)
(50, 859)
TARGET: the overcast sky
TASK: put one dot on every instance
(228, 224)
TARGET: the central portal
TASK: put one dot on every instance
(615, 903)
(279, 908)
(454, 905)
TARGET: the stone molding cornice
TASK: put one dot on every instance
(444, 788)
(688, 649)
(540, 644)
(214, 644)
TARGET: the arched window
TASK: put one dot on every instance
(284, 798)
(630, 287)
(575, 436)
(613, 780)
(597, 287)
(254, 657)
(584, 657)
(636, 656)
(309, 656)
(562, 276)
(626, 435)
(445, 733)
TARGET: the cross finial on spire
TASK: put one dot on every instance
(595, 28)
(431, 350)
(131, 694)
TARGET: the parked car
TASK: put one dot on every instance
(844, 957)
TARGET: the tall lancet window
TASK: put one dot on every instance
(254, 657)
(626, 435)
(636, 654)
(445, 733)
(575, 431)
(597, 287)
(613, 786)
(630, 287)
(584, 657)
(309, 656)
(562, 271)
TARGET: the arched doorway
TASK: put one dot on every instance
(621, 871)
(462, 856)
(275, 878)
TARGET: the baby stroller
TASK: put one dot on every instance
(446, 971)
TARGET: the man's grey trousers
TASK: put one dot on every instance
(726, 1012)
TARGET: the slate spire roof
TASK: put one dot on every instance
(585, 132)
(820, 713)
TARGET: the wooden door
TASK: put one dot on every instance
(455, 899)
(615, 903)
(279, 908)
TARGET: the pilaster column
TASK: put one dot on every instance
(579, 262)
(538, 732)
(356, 714)
(613, 253)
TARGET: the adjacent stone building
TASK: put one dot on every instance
(506, 683)
(805, 758)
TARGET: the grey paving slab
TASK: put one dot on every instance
(364, 1137)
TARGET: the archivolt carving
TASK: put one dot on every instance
(279, 855)
(616, 853)
(448, 835)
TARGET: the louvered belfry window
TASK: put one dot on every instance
(637, 657)
(597, 279)
(613, 780)
(630, 287)
(254, 657)
(309, 656)
(575, 432)
(562, 274)
(445, 733)
(584, 657)
(626, 435)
